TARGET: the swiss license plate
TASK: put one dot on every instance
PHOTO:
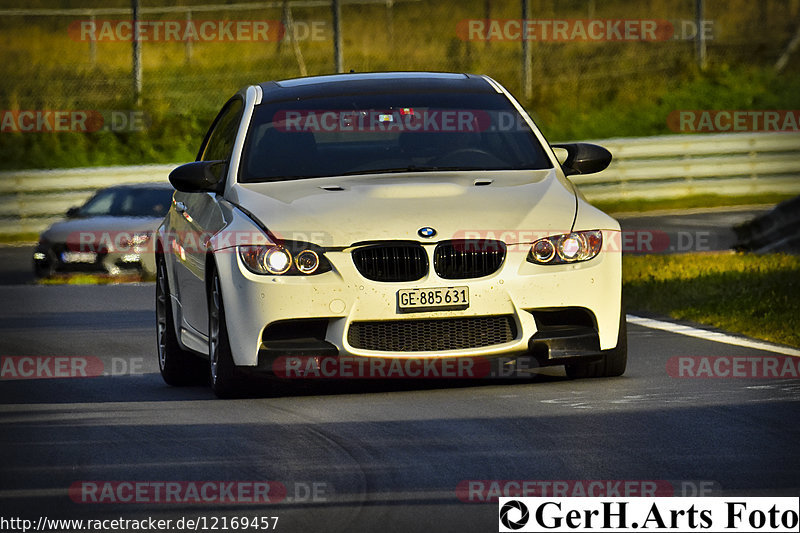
(433, 298)
(79, 257)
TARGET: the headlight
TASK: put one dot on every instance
(266, 259)
(278, 260)
(543, 251)
(307, 261)
(568, 248)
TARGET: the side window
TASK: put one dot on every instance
(219, 140)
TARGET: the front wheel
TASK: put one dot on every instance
(225, 379)
(612, 363)
(178, 367)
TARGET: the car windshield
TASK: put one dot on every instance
(382, 133)
(128, 202)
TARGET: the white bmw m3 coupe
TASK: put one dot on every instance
(384, 216)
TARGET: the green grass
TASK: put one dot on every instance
(19, 238)
(690, 202)
(580, 90)
(174, 131)
(92, 279)
(753, 295)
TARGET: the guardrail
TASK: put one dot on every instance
(30, 200)
(669, 166)
(672, 166)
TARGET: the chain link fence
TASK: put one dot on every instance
(584, 62)
(81, 57)
(564, 59)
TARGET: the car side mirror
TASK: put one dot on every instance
(584, 158)
(72, 212)
(199, 176)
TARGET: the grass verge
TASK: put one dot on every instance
(92, 279)
(754, 295)
(19, 238)
(690, 202)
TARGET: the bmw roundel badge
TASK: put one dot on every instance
(426, 232)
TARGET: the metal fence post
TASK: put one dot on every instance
(137, 55)
(337, 35)
(189, 40)
(527, 75)
(93, 42)
(288, 20)
(700, 37)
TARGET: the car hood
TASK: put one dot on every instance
(515, 206)
(70, 230)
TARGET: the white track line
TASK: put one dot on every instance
(710, 335)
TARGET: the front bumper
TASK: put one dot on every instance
(545, 348)
(62, 258)
(518, 290)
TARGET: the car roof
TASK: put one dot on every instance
(374, 82)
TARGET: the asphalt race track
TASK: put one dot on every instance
(377, 456)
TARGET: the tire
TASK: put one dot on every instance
(225, 379)
(178, 367)
(612, 363)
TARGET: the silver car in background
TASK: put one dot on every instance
(110, 234)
